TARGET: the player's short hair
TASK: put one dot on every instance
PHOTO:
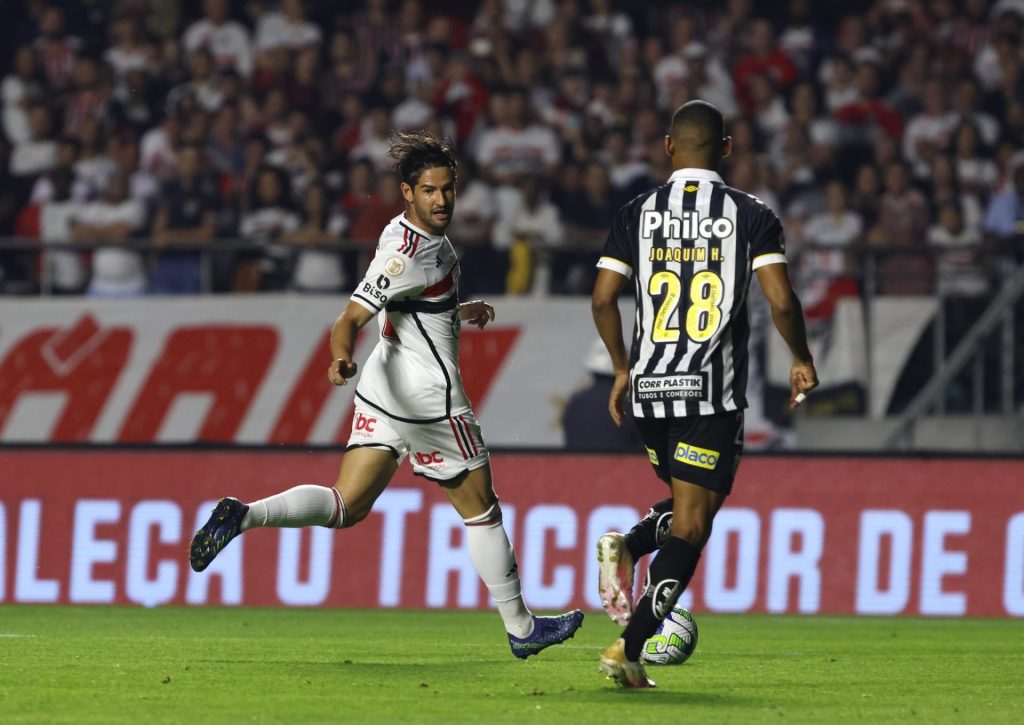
(700, 125)
(416, 151)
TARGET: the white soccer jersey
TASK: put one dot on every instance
(413, 373)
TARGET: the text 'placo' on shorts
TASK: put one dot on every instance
(701, 449)
(439, 451)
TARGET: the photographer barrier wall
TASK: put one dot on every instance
(799, 535)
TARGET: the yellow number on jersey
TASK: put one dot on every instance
(661, 331)
(704, 315)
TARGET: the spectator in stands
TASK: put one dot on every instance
(287, 28)
(379, 208)
(374, 137)
(946, 189)
(904, 221)
(483, 267)
(115, 218)
(966, 107)
(267, 220)
(527, 224)
(707, 79)
(764, 59)
(130, 51)
(227, 40)
(64, 167)
(157, 147)
(37, 154)
(94, 165)
(318, 267)
(66, 270)
(824, 271)
(90, 99)
(976, 172)
(929, 131)
(186, 217)
(960, 269)
(202, 89)
(57, 51)
(514, 144)
(19, 90)
(1004, 219)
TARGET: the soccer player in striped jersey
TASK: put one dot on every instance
(691, 247)
(409, 400)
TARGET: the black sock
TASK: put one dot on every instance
(651, 531)
(668, 576)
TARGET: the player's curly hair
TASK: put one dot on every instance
(416, 151)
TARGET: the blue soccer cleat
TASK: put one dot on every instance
(224, 524)
(546, 632)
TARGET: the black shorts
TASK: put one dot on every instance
(702, 449)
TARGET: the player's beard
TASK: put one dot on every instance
(430, 222)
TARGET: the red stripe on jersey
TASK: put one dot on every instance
(469, 434)
(457, 439)
(389, 331)
(441, 287)
(415, 244)
(405, 241)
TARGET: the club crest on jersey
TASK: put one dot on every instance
(695, 456)
(394, 267)
(688, 225)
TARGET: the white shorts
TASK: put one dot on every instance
(440, 451)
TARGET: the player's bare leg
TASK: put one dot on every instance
(364, 474)
(472, 495)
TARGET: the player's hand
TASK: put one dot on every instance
(476, 312)
(617, 399)
(340, 371)
(802, 380)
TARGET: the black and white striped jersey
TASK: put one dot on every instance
(691, 246)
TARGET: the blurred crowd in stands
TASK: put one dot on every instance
(868, 126)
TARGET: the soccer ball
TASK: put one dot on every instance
(675, 640)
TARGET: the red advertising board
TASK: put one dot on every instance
(799, 534)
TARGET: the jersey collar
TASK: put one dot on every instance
(696, 175)
(404, 221)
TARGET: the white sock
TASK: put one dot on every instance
(495, 562)
(300, 506)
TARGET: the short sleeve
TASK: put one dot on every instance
(390, 276)
(767, 240)
(618, 249)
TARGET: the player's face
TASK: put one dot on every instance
(432, 201)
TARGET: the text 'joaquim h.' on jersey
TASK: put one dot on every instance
(413, 373)
(691, 245)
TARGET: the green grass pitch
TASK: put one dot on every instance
(110, 664)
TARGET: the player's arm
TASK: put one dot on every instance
(604, 304)
(343, 341)
(788, 316)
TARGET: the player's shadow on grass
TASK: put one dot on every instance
(664, 696)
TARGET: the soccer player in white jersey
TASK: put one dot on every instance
(410, 401)
(691, 246)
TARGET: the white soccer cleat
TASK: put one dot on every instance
(615, 577)
(615, 666)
